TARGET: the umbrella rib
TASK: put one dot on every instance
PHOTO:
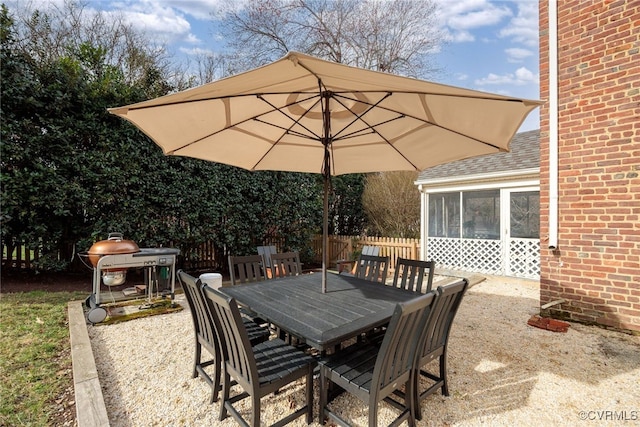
(370, 129)
(356, 115)
(293, 121)
(373, 129)
(425, 121)
(286, 130)
(260, 96)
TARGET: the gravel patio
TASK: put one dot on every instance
(501, 371)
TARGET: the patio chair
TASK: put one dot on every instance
(437, 340)
(205, 334)
(285, 264)
(373, 268)
(259, 370)
(266, 252)
(372, 373)
(410, 274)
(246, 269)
(366, 250)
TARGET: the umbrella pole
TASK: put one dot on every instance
(325, 235)
(326, 172)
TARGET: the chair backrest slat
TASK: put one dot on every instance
(244, 269)
(236, 351)
(373, 268)
(410, 274)
(403, 339)
(285, 264)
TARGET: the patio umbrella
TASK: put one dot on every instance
(304, 114)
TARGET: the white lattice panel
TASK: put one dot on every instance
(445, 251)
(482, 256)
(524, 258)
(486, 256)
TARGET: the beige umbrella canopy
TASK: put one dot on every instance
(304, 114)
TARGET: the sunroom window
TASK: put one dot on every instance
(481, 214)
(444, 215)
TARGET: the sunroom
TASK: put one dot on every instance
(483, 214)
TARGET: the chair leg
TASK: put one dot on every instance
(373, 415)
(196, 358)
(411, 399)
(255, 414)
(226, 385)
(324, 391)
(443, 373)
(415, 381)
(215, 387)
(310, 396)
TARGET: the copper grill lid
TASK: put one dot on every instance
(114, 245)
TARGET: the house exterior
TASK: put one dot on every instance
(590, 162)
(482, 214)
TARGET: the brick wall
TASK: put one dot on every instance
(596, 267)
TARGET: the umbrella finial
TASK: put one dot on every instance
(294, 58)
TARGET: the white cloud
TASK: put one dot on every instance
(199, 9)
(478, 18)
(516, 54)
(193, 39)
(155, 18)
(196, 51)
(460, 18)
(457, 36)
(522, 76)
(166, 20)
(523, 28)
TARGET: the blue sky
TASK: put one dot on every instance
(491, 45)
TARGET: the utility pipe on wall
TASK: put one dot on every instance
(553, 125)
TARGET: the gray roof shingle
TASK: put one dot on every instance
(524, 154)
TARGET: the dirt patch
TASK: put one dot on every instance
(25, 281)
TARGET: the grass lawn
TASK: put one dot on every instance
(35, 357)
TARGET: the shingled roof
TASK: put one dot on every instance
(524, 154)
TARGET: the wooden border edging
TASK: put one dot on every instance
(90, 408)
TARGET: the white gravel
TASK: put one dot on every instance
(501, 371)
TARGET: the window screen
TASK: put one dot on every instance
(444, 215)
(481, 218)
(525, 214)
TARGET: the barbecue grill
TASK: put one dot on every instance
(110, 259)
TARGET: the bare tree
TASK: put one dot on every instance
(392, 36)
(392, 204)
(65, 29)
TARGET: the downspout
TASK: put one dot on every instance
(424, 223)
(553, 125)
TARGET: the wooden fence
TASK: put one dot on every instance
(203, 257)
(349, 247)
(18, 255)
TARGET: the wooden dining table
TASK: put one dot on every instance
(296, 304)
